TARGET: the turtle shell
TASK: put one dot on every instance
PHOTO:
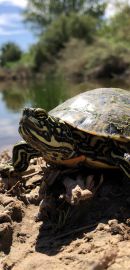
(103, 111)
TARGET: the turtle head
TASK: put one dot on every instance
(33, 120)
(49, 135)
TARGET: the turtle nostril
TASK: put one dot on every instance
(27, 112)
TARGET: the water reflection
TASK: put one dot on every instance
(14, 98)
(46, 94)
(8, 125)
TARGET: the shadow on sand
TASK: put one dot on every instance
(112, 201)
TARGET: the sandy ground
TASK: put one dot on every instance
(93, 235)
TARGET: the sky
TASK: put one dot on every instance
(12, 27)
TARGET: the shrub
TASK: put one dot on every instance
(60, 32)
(10, 52)
(82, 27)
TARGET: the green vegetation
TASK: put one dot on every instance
(10, 52)
(40, 14)
(117, 29)
(59, 33)
(75, 39)
(58, 21)
(97, 60)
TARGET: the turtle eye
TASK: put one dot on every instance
(39, 110)
(40, 113)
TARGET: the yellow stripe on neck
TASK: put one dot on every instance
(53, 142)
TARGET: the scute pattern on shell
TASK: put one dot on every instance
(104, 111)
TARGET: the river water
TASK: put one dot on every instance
(45, 94)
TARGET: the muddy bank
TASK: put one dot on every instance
(21, 73)
(74, 69)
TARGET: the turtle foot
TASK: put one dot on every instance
(80, 190)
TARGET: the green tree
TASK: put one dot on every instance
(41, 13)
(120, 24)
(117, 27)
(59, 32)
(10, 52)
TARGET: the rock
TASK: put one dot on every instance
(12, 208)
(4, 217)
(6, 233)
(113, 222)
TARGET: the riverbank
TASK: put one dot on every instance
(78, 62)
(100, 60)
(19, 73)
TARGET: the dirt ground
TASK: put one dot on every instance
(93, 235)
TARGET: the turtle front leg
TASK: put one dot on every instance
(21, 155)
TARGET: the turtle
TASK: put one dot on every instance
(91, 128)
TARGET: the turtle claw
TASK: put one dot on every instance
(77, 190)
(127, 157)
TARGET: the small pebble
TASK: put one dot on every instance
(106, 228)
(116, 230)
(116, 239)
(100, 227)
(128, 221)
(88, 237)
(112, 222)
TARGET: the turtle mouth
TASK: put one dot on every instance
(30, 133)
(25, 125)
(28, 122)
